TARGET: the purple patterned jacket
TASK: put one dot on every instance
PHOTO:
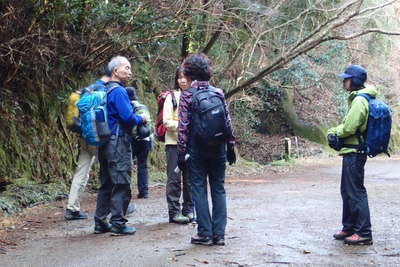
(185, 115)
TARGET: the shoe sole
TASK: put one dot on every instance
(75, 218)
(202, 243)
(172, 221)
(100, 232)
(359, 243)
(121, 234)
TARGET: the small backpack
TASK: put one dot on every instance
(209, 119)
(379, 126)
(72, 114)
(160, 128)
(94, 120)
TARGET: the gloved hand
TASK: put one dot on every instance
(181, 160)
(334, 142)
(331, 139)
(230, 153)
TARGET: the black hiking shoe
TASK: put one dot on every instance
(355, 239)
(179, 219)
(102, 227)
(123, 230)
(219, 240)
(75, 215)
(201, 240)
(342, 235)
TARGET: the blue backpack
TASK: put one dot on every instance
(379, 125)
(94, 119)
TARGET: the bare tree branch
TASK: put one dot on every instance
(364, 32)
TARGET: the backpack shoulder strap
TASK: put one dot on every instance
(174, 103)
(366, 96)
(84, 90)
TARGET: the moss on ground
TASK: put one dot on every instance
(26, 193)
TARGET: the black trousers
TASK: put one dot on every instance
(207, 166)
(177, 184)
(114, 194)
(141, 150)
(356, 217)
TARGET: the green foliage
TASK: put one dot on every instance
(26, 194)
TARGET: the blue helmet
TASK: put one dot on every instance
(357, 74)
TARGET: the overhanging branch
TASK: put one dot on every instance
(364, 32)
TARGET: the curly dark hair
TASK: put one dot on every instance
(197, 67)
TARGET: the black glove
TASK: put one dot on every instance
(230, 154)
(181, 160)
(335, 142)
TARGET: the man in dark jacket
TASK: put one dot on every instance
(205, 159)
(115, 157)
(356, 218)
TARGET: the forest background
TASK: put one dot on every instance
(277, 61)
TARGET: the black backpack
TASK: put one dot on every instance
(209, 119)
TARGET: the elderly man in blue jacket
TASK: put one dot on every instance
(116, 156)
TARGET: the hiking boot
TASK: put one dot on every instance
(191, 217)
(123, 230)
(75, 215)
(201, 240)
(179, 219)
(355, 239)
(342, 235)
(219, 240)
(131, 208)
(102, 227)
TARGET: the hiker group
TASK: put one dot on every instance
(194, 123)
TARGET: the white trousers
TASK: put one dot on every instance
(87, 156)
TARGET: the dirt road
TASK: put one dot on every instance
(274, 220)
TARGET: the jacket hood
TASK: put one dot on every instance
(369, 89)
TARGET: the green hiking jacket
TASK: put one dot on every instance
(355, 119)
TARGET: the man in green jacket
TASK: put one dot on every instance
(346, 138)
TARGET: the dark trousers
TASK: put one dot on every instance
(141, 150)
(356, 216)
(209, 162)
(114, 194)
(177, 183)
